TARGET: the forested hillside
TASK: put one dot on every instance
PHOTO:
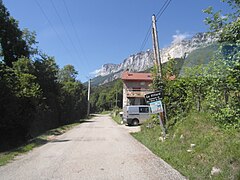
(35, 94)
(107, 96)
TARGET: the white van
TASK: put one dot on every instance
(137, 114)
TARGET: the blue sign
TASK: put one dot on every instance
(156, 107)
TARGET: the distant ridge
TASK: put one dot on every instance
(144, 60)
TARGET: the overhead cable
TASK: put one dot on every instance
(49, 22)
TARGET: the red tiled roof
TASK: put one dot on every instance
(136, 76)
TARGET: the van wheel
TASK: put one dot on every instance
(135, 122)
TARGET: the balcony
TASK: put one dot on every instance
(137, 92)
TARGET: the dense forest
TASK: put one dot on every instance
(35, 94)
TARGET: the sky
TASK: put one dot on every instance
(90, 33)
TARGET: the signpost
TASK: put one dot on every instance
(156, 107)
(154, 100)
(152, 97)
(157, 96)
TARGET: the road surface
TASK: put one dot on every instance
(97, 149)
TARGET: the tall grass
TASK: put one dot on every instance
(194, 146)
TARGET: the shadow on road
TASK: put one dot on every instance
(87, 121)
(59, 140)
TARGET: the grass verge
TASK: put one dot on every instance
(117, 118)
(195, 146)
(105, 112)
(115, 114)
(6, 157)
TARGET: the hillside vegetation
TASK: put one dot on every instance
(195, 146)
(107, 96)
(200, 56)
(203, 107)
(35, 94)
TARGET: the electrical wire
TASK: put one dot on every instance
(158, 15)
(164, 7)
(74, 28)
(49, 22)
(146, 38)
(65, 29)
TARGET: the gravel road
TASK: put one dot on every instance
(97, 149)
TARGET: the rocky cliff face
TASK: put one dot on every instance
(181, 49)
(144, 60)
(135, 63)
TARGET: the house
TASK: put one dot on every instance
(135, 86)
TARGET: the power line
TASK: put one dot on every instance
(74, 28)
(164, 7)
(146, 38)
(159, 14)
(49, 22)
(64, 27)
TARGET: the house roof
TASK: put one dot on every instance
(136, 76)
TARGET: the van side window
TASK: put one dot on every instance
(143, 109)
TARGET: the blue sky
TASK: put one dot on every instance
(105, 31)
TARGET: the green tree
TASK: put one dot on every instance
(72, 95)
(226, 68)
(34, 94)
(12, 44)
(30, 38)
(24, 69)
(48, 111)
(67, 73)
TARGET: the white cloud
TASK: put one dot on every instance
(96, 72)
(224, 17)
(178, 37)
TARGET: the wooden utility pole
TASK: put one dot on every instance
(156, 51)
(116, 98)
(158, 63)
(89, 88)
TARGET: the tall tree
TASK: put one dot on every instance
(227, 26)
(72, 96)
(67, 73)
(12, 44)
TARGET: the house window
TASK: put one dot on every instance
(142, 83)
(131, 101)
(142, 101)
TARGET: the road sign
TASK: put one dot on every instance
(156, 107)
(152, 97)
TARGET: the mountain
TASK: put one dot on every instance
(144, 60)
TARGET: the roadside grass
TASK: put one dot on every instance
(211, 147)
(8, 156)
(105, 112)
(117, 118)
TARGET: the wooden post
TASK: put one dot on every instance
(89, 88)
(157, 61)
(156, 46)
(116, 98)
